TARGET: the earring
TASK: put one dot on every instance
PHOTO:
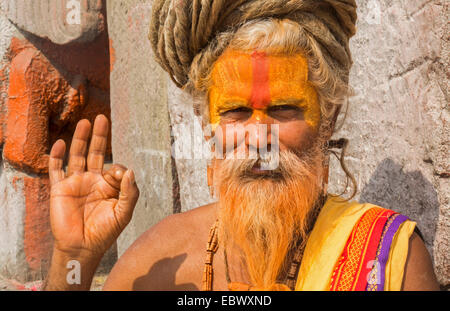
(210, 177)
(326, 170)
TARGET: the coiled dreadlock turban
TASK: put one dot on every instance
(188, 36)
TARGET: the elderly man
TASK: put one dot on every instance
(249, 64)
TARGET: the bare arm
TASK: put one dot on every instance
(419, 274)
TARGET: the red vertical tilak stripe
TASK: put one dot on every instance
(260, 97)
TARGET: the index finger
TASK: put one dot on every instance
(55, 162)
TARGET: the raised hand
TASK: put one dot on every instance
(89, 208)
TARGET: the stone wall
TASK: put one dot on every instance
(141, 129)
(397, 120)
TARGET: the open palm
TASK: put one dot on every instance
(89, 208)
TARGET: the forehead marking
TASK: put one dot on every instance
(260, 96)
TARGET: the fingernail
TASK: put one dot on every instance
(118, 174)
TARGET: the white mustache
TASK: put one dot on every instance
(266, 160)
(277, 166)
(269, 161)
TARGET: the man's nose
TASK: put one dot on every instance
(258, 133)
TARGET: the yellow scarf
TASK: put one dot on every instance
(326, 243)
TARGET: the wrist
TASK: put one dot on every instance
(78, 254)
(71, 270)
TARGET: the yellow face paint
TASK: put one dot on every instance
(259, 81)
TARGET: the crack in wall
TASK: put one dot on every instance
(414, 65)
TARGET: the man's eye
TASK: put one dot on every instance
(239, 113)
(283, 108)
(285, 112)
(236, 110)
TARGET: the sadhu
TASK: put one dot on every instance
(278, 63)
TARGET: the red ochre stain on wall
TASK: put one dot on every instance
(3, 92)
(29, 102)
(46, 101)
(14, 181)
(38, 240)
(91, 60)
(112, 56)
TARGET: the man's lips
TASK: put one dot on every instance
(257, 169)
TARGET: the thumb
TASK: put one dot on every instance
(114, 175)
(129, 194)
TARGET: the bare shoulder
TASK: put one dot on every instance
(419, 273)
(168, 256)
